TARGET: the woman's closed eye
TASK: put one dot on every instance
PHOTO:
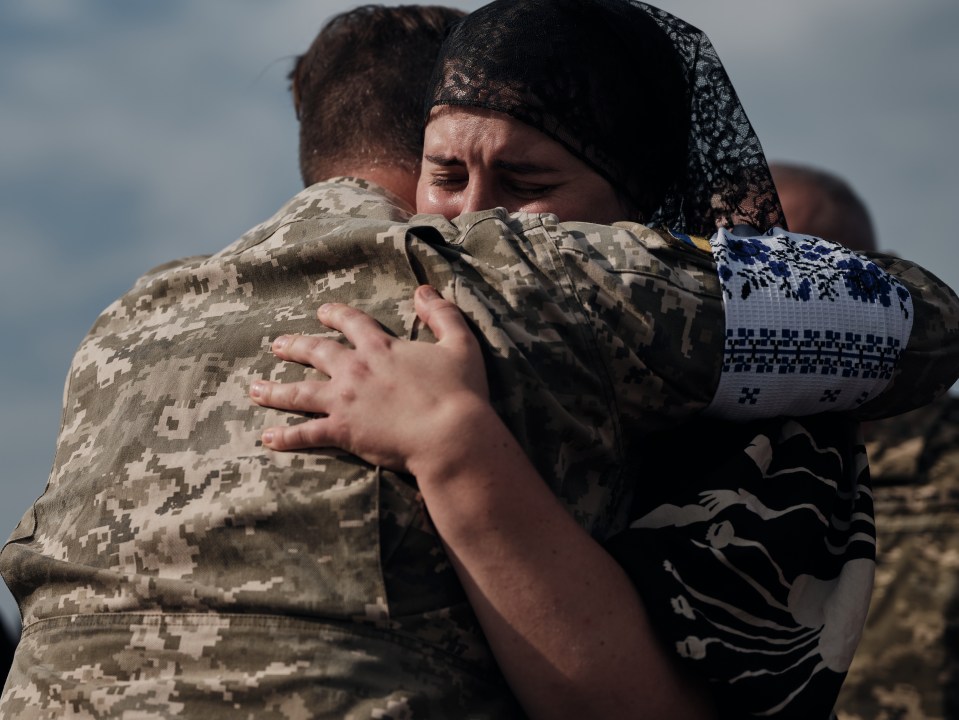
(449, 182)
(457, 182)
(529, 191)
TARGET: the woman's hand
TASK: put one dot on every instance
(393, 402)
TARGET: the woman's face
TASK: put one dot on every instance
(476, 159)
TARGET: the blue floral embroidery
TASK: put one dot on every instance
(835, 355)
(814, 251)
(779, 268)
(792, 265)
(865, 281)
(748, 250)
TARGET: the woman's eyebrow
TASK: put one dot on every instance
(520, 168)
(444, 160)
(523, 168)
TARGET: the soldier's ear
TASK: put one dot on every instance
(294, 78)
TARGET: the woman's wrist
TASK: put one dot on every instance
(460, 434)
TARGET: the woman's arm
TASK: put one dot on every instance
(565, 623)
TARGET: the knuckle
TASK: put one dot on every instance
(338, 314)
(291, 342)
(338, 434)
(356, 370)
(321, 351)
(381, 342)
(296, 436)
(307, 344)
(280, 439)
(349, 313)
(300, 396)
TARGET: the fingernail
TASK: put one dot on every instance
(256, 389)
(281, 342)
(267, 437)
(428, 292)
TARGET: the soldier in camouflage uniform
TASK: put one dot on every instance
(907, 666)
(174, 567)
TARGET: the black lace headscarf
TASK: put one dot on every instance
(633, 91)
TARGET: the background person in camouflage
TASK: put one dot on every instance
(172, 567)
(908, 662)
(907, 665)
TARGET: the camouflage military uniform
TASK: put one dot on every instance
(175, 567)
(907, 666)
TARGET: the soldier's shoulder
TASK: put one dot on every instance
(343, 197)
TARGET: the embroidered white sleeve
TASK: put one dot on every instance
(811, 327)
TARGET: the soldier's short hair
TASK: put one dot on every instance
(359, 90)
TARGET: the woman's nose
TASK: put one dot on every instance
(479, 195)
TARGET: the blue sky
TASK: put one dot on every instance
(135, 132)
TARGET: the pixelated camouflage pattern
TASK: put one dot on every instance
(928, 365)
(216, 572)
(907, 666)
(219, 665)
(610, 319)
